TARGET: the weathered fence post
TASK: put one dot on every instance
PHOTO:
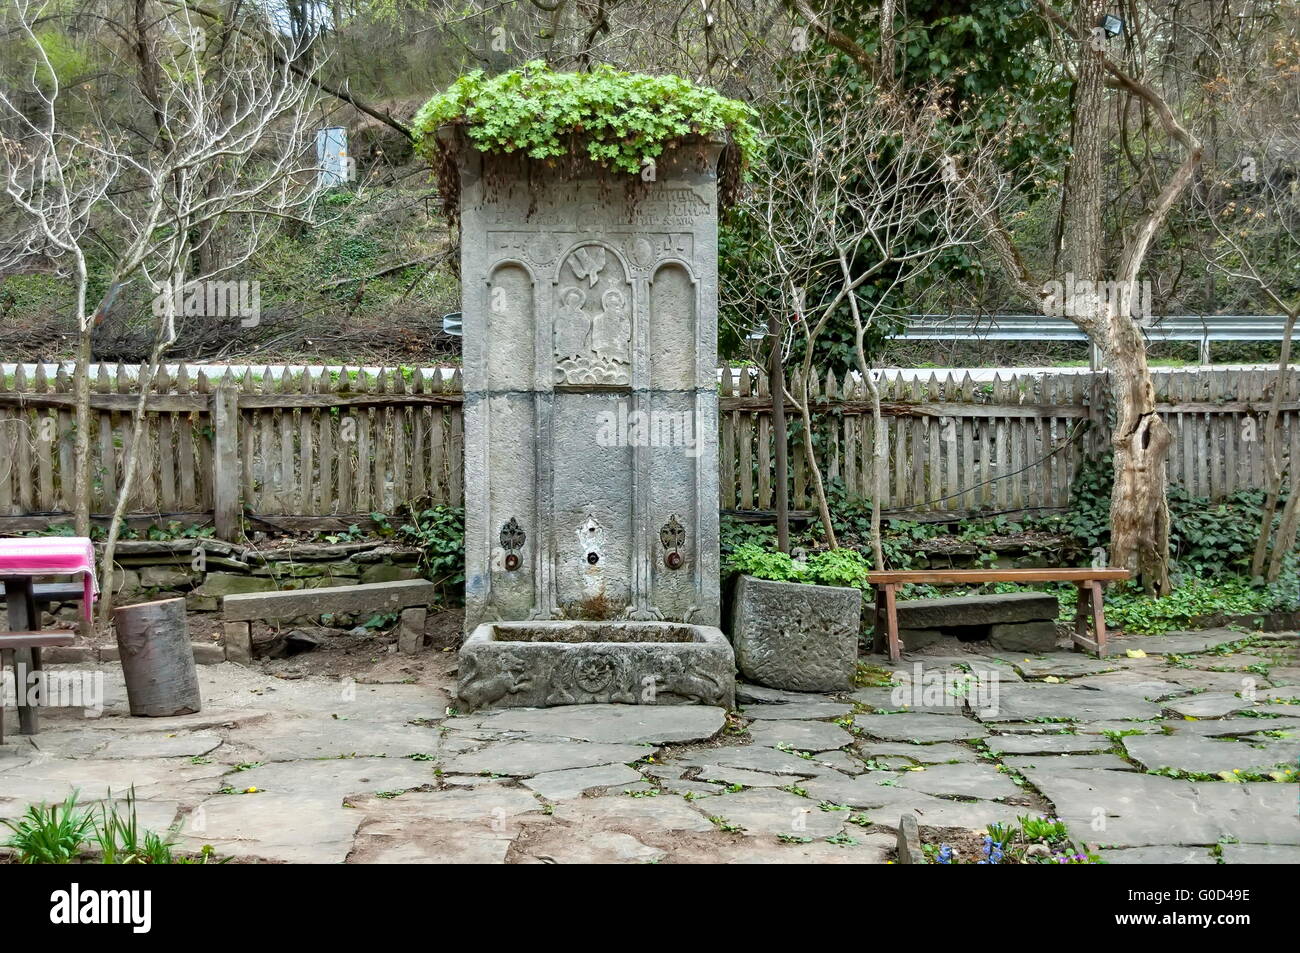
(153, 643)
(227, 512)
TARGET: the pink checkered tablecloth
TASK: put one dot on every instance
(52, 556)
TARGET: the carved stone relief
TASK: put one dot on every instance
(593, 320)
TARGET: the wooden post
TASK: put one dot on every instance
(776, 387)
(24, 616)
(153, 642)
(227, 512)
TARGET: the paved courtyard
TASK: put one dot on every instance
(1135, 754)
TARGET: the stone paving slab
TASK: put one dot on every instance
(633, 814)
(1158, 855)
(559, 845)
(1066, 703)
(615, 724)
(1137, 684)
(1208, 705)
(1261, 854)
(1046, 744)
(884, 699)
(919, 727)
(298, 828)
(1177, 643)
(1060, 664)
(938, 753)
(337, 777)
(527, 758)
(762, 695)
(800, 735)
(799, 711)
(46, 779)
(754, 758)
(1109, 762)
(777, 812)
(574, 782)
(1202, 755)
(727, 775)
(299, 739)
(1143, 810)
(980, 779)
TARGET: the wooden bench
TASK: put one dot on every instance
(1090, 582)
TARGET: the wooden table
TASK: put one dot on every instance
(20, 648)
(1091, 613)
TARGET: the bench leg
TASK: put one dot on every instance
(23, 617)
(1098, 618)
(891, 623)
(6, 662)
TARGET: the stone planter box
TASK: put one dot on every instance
(794, 636)
(542, 664)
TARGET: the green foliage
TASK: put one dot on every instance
(623, 119)
(839, 567)
(439, 533)
(752, 559)
(1193, 600)
(49, 833)
(736, 532)
(63, 833)
(1205, 538)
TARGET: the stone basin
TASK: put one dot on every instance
(540, 664)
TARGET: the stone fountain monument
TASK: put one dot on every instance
(591, 404)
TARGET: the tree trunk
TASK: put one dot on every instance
(1273, 455)
(1139, 508)
(776, 387)
(81, 439)
(157, 659)
(810, 458)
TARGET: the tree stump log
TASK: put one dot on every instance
(157, 662)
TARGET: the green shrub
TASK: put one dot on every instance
(751, 559)
(438, 531)
(623, 118)
(1196, 598)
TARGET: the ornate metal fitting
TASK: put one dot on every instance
(673, 538)
(513, 538)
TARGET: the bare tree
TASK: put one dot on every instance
(853, 201)
(1252, 207)
(241, 124)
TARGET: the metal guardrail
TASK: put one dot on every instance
(1040, 327)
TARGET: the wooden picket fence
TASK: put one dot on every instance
(322, 450)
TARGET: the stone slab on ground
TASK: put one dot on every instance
(776, 812)
(1038, 636)
(752, 758)
(299, 828)
(1176, 643)
(46, 778)
(1060, 664)
(981, 780)
(1034, 700)
(292, 739)
(892, 700)
(960, 611)
(336, 777)
(1158, 855)
(808, 711)
(1047, 744)
(795, 636)
(1261, 854)
(1208, 705)
(557, 845)
(885, 803)
(729, 774)
(919, 727)
(574, 782)
(528, 758)
(1109, 762)
(800, 735)
(1137, 684)
(1143, 810)
(634, 814)
(161, 744)
(747, 694)
(940, 753)
(616, 724)
(1204, 755)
